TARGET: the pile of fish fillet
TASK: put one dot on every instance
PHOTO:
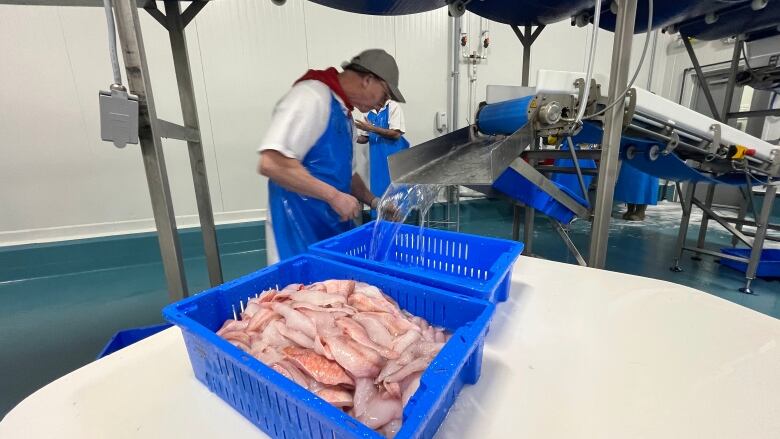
(345, 341)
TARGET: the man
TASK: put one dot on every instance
(383, 130)
(637, 189)
(306, 154)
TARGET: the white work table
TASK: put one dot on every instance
(574, 353)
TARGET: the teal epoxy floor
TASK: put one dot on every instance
(59, 304)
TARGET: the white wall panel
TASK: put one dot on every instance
(421, 41)
(251, 52)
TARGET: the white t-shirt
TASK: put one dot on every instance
(395, 118)
(299, 119)
(395, 122)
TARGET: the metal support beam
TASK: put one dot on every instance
(613, 128)
(775, 238)
(151, 8)
(129, 31)
(555, 154)
(705, 219)
(742, 212)
(576, 162)
(754, 113)
(733, 230)
(191, 11)
(700, 77)
(566, 169)
(189, 110)
(170, 130)
(569, 244)
(685, 201)
(758, 240)
(527, 39)
(716, 254)
(729, 96)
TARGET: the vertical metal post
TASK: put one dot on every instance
(181, 63)
(705, 220)
(129, 30)
(742, 212)
(686, 201)
(528, 228)
(758, 239)
(613, 128)
(456, 23)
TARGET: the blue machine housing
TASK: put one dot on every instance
(504, 117)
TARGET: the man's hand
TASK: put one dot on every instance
(365, 126)
(390, 211)
(345, 205)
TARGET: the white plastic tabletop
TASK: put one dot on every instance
(575, 353)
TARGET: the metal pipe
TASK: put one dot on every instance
(137, 71)
(613, 128)
(189, 110)
(651, 67)
(456, 24)
(579, 171)
(566, 170)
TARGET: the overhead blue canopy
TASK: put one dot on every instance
(528, 12)
(734, 16)
(383, 7)
(741, 19)
(665, 12)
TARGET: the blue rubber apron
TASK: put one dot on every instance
(635, 187)
(380, 148)
(298, 220)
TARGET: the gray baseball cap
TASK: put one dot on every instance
(383, 65)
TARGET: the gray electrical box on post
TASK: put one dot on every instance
(118, 117)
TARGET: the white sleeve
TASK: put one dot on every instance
(396, 119)
(298, 120)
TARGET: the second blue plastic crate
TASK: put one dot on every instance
(472, 265)
(768, 265)
(127, 337)
(282, 408)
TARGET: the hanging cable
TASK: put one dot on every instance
(112, 42)
(622, 95)
(591, 62)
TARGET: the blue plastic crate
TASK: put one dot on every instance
(125, 338)
(517, 187)
(768, 264)
(475, 266)
(282, 408)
